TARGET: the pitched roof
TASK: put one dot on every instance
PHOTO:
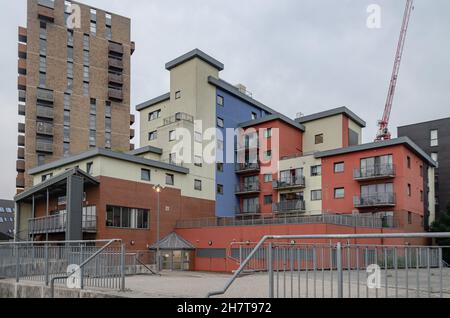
(173, 242)
(333, 112)
(110, 154)
(381, 144)
(153, 101)
(196, 53)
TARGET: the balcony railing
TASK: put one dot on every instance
(115, 48)
(375, 200)
(44, 112)
(252, 210)
(58, 224)
(178, 117)
(115, 78)
(45, 95)
(44, 128)
(247, 188)
(292, 206)
(290, 183)
(116, 94)
(375, 172)
(247, 167)
(114, 63)
(44, 147)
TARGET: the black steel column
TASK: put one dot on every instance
(74, 195)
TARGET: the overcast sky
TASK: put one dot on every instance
(293, 55)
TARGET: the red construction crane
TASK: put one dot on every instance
(383, 124)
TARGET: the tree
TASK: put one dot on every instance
(442, 224)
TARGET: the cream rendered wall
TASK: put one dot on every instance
(330, 127)
(149, 126)
(355, 127)
(432, 194)
(25, 215)
(312, 183)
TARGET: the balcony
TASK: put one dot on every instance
(374, 172)
(22, 96)
(44, 95)
(290, 183)
(132, 147)
(46, 10)
(22, 35)
(132, 119)
(21, 128)
(375, 200)
(133, 47)
(20, 165)
(248, 188)
(177, 118)
(115, 78)
(21, 110)
(20, 180)
(58, 224)
(22, 51)
(132, 133)
(22, 82)
(44, 147)
(115, 94)
(115, 48)
(293, 206)
(21, 141)
(20, 153)
(244, 168)
(244, 211)
(44, 128)
(44, 112)
(22, 66)
(115, 63)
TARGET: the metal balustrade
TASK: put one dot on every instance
(247, 167)
(295, 268)
(374, 172)
(374, 200)
(247, 188)
(177, 118)
(58, 224)
(289, 183)
(289, 206)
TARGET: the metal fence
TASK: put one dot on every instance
(102, 263)
(335, 219)
(303, 270)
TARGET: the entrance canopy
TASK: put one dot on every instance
(173, 242)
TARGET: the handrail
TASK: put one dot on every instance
(317, 237)
(82, 265)
(148, 268)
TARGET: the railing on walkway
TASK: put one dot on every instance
(102, 262)
(297, 269)
(58, 224)
(335, 219)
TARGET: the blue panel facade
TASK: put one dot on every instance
(234, 112)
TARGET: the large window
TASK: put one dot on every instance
(127, 218)
(339, 167)
(377, 189)
(434, 136)
(318, 139)
(170, 179)
(154, 115)
(316, 195)
(145, 174)
(316, 171)
(339, 193)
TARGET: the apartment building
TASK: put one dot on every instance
(6, 220)
(434, 138)
(74, 83)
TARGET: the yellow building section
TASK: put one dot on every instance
(313, 182)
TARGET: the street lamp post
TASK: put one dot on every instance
(158, 188)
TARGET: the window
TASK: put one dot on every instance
(220, 122)
(45, 177)
(173, 158)
(66, 133)
(220, 189)
(220, 167)
(254, 116)
(41, 159)
(198, 137)
(268, 155)
(198, 161)
(108, 124)
(172, 135)
(92, 138)
(92, 122)
(66, 118)
(86, 73)
(339, 167)
(70, 70)
(66, 149)
(70, 53)
(70, 38)
(145, 175)
(42, 64)
(268, 133)
(316, 171)
(120, 217)
(198, 185)
(434, 135)
(178, 95)
(42, 47)
(268, 178)
(93, 28)
(408, 159)
(170, 179)
(85, 57)
(108, 32)
(435, 156)
(316, 195)
(108, 112)
(318, 139)
(69, 84)
(153, 135)
(93, 108)
(409, 190)
(154, 115)
(268, 199)
(339, 193)
(86, 42)
(43, 30)
(42, 78)
(107, 140)
(89, 167)
(220, 100)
